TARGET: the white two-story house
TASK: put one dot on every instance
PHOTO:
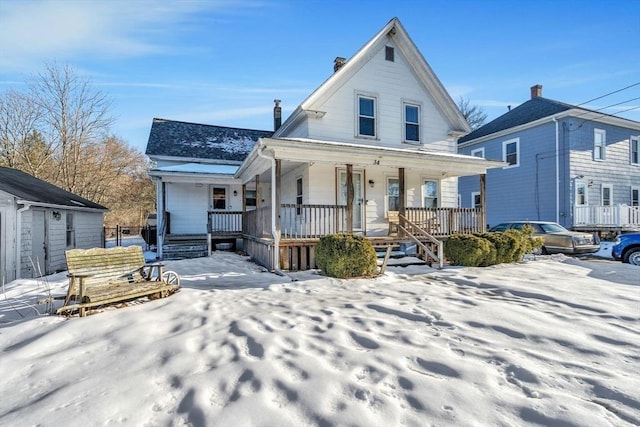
(375, 143)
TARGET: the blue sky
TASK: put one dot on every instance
(224, 62)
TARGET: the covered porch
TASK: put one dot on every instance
(306, 189)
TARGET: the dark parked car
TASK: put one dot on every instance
(556, 238)
(627, 248)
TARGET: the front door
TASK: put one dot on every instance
(39, 244)
(358, 201)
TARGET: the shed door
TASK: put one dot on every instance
(39, 245)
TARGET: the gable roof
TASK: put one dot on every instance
(393, 29)
(172, 138)
(538, 108)
(532, 110)
(31, 189)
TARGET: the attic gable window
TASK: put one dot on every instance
(366, 116)
(411, 123)
(389, 53)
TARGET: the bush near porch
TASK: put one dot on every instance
(484, 249)
(345, 255)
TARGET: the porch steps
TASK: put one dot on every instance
(402, 255)
(185, 247)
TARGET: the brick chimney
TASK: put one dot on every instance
(338, 63)
(536, 91)
(277, 115)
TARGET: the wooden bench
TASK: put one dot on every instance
(104, 276)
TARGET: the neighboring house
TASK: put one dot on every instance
(39, 222)
(376, 142)
(567, 164)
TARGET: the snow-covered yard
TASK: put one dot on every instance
(552, 341)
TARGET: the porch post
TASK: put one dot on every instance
(244, 206)
(277, 198)
(259, 227)
(349, 199)
(483, 201)
(160, 217)
(401, 198)
(277, 262)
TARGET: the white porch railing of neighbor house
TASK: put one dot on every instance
(311, 221)
(607, 216)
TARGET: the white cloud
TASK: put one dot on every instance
(33, 31)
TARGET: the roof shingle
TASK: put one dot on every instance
(191, 140)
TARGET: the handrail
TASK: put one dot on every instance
(422, 233)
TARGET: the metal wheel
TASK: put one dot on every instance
(632, 256)
(171, 278)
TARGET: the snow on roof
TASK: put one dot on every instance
(200, 168)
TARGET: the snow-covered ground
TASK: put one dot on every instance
(549, 341)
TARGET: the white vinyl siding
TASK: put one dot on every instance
(599, 144)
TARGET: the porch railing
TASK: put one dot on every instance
(309, 221)
(224, 222)
(607, 216)
(312, 221)
(447, 221)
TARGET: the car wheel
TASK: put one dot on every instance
(632, 256)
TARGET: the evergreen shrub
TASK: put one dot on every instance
(345, 255)
(469, 250)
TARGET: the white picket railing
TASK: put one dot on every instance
(609, 216)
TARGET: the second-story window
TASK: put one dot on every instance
(510, 152)
(411, 123)
(366, 116)
(634, 150)
(599, 144)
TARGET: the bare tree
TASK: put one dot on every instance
(21, 145)
(59, 130)
(75, 116)
(475, 115)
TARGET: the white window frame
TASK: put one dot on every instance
(515, 141)
(299, 194)
(602, 191)
(213, 197)
(437, 198)
(634, 142)
(635, 201)
(578, 185)
(387, 195)
(599, 147)
(475, 194)
(477, 151)
(70, 229)
(373, 97)
(406, 104)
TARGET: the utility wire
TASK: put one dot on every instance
(610, 93)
